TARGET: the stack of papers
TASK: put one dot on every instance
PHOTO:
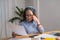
(45, 36)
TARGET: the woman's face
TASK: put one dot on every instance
(29, 15)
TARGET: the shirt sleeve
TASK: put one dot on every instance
(21, 23)
(41, 29)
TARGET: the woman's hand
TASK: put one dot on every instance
(14, 34)
(36, 19)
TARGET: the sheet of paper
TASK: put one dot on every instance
(45, 36)
(18, 29)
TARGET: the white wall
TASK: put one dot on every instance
(50, 14)
(7, 11)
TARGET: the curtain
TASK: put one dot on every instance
(7, 11)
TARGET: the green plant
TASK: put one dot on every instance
(19, 12)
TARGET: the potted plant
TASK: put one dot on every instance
(19, 12)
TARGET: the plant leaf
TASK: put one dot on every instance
(22, 11)
(18, 13)
(18, 9)
(14, 18)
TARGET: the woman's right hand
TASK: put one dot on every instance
(14, 34)
(36, 19)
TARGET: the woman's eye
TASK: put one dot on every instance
(29, 15)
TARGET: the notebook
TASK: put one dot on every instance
(18, 29)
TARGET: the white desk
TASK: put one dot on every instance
(27, 37)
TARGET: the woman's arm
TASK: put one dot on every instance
(40, 27)
(36, 19)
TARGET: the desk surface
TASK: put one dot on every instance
(51, 32)
(27, 36)
(35, 34)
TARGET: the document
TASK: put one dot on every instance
(18, 29)
(45, 36)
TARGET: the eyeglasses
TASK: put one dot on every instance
(29, 15)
